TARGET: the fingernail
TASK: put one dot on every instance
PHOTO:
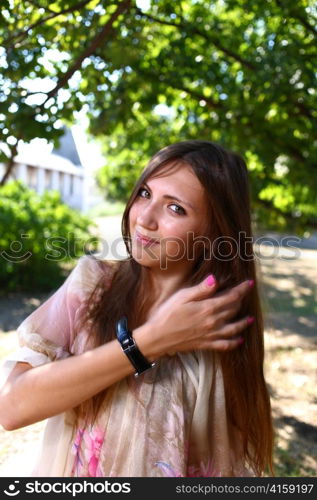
(251, 283)
(250, 320)
(240, 340)
(211, 280)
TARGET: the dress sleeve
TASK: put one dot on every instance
(47, 334)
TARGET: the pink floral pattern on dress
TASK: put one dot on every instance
(86, 448)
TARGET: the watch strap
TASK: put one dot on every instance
(130, 348)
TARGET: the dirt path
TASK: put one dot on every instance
(290, 288)
(289, 297)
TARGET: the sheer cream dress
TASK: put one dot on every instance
(170, 421)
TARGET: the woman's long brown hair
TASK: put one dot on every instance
(230, 257)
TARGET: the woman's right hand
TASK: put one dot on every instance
(199, 318)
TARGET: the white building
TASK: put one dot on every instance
(60, 170)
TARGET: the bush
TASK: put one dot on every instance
(39, 237)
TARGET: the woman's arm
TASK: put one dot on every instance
(34, 394)
(190, 319)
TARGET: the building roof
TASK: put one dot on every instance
(67, 148)
(65, 158)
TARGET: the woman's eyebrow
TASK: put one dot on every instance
(171, 197)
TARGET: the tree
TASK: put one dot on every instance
(39, 235)
(29, 32)
(236, 72)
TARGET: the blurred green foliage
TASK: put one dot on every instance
(236, 72)
(38, 236)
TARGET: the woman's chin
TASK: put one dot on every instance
(145, 257)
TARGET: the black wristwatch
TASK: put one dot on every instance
(129, 347)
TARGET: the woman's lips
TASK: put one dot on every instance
(144, 240)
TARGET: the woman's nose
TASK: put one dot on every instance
(147, 217)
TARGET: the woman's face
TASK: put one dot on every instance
(172, 210)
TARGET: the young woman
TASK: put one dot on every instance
(187, 292)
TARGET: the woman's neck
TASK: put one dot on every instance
(159, 284)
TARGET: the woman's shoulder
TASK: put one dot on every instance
(91, 261)
(89, 270)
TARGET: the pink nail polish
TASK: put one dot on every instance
(251, 283)
(211, 280)
(250, 320)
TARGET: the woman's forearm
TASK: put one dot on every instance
(50, 389)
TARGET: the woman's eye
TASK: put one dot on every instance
(141, 190)
(179, 210)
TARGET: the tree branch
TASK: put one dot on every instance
(303, 21)
(10, 164)
(96, 42)
(193, 29)
(199, 97)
